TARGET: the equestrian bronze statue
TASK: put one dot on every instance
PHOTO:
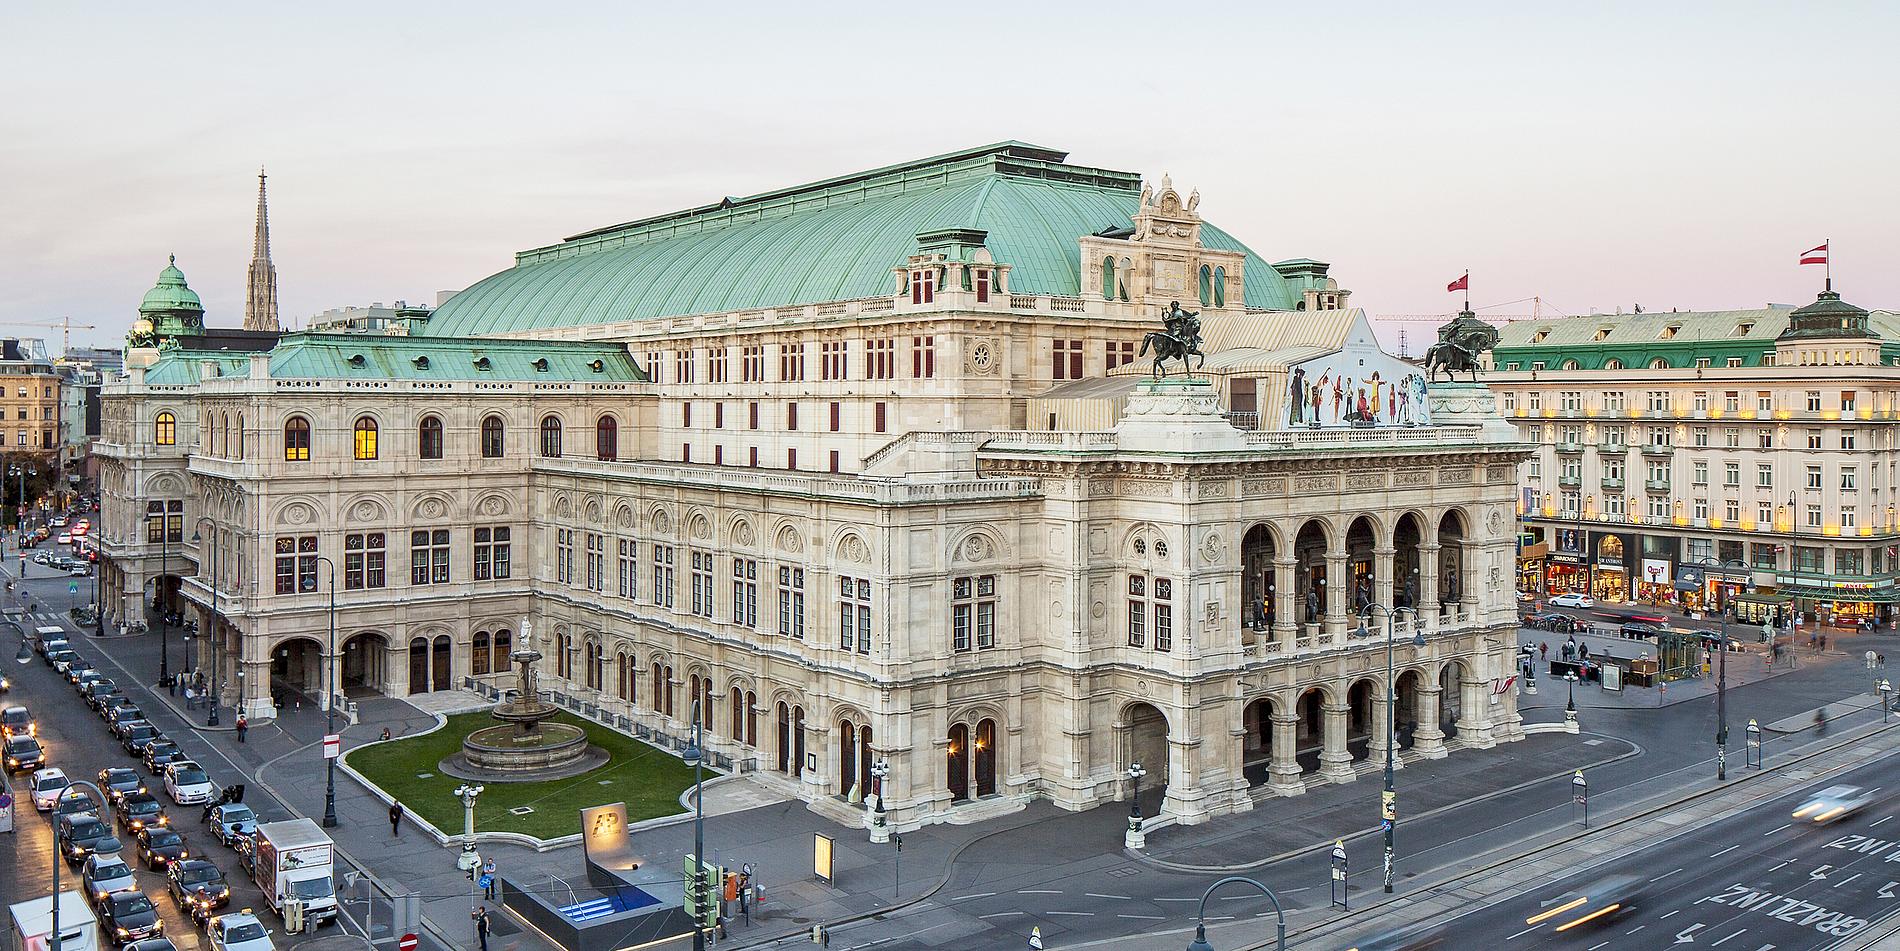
(1459, 347)
(1181, 339)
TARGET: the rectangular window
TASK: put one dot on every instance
(1733, 511)
(837, 413)
(752, 414)
(1732, 438)
(429, 557)
(1701, 436)
(596, 562)
(1847, 400)
(791, 602)
(1814, 439)
(832, 359)
(1118, 353)
(1137, 610)
(1700, 510)
(1814, 477)
(1762, 556)
(880, 359)
(663, 575)
(745, 592)
(1764, 476)
(1814, 401)
(702, 581)
(1731, 473)
(683, 366)
(716, 365)
(1164, 614)
(1765, 514)
(296, 564)
(1066, 362)
(973, 612)
(1814, 516)
(923, 357)
(1847, 522)
(1764, 401)
(854, 614)
(1731, 401)
(1765, 440)
(1613, 401)
(719, 415)
(492, 557)
(686, 414)
(563, 556)
(791, 417)
(629, 569)
(791, 458)
(753, 457)
(923, 286)
(752, 364)
(1847, 439)
(364, 564)
(1849, 476)
(791, 362)
(1570, 401)
(879, 417)
(1701, 470)
(834, 460)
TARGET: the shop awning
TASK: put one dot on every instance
(1764, 597)
(1851, 595)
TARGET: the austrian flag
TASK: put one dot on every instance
(1815, 255)
(1463, 283)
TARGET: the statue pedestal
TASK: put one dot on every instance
(1178, 414)
(1470, 404)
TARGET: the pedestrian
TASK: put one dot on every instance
(481, 926)
(385, 734)
(488, 879)
(191, 699)
(1543, 650)
(395, 820)
(1824, 640)
(243, 726)
(1820, 721)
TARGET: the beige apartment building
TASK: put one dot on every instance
(1734, 458)
(873, 469)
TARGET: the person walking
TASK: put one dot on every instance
(481, 926)
(395, 820)
(243, 727)
(488, 879)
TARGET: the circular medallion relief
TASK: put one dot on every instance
(978, 548)
(983, 357)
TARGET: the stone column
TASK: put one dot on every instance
(1382, 575)
(1474, 713)
(1335, 761)
(1428, 740)
(1283, 768)
(255, 701)
(1286, 609)
(1334, 628)
(1428, 586)
(1377, 736)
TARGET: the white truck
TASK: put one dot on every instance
(32, 928)
(295, 861)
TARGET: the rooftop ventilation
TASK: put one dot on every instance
(357, 360)
(597, 366)
(422, 363)
(540, 365)
(481, 363)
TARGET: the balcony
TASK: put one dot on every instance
(1244, 421)
(1570, 481)
(1655, 449)
(1618, 448)
(1657, 486)
(1570, 447)
(1612, 484)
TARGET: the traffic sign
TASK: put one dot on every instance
(406, 942)
(72, 587)
(333, 746)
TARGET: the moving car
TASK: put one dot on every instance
(83, 835)
(1572, 599)
(18, 720)
(1409, 938)
(47, 784)
(1597, 904)
(232, 821)
(187, 783)
(120, 780)
(159, 846)
(238, 932)
(23, 752)
(198, 887)
(129, 916)
(106, 875)
(138, 810)
(1834, 802)
(77, 804)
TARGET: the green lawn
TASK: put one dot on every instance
(648, 780)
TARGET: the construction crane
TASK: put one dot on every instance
(65, 325)
(1539, 311)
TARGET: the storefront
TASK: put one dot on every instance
(1657, 583)
(1843, 602)
(1722, 587)
(1758, 607)
(1610, 574)
(1532, 561)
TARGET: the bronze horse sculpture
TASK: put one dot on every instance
(1181, 339)
(1458, 348)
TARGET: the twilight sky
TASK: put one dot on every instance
(1598, 155)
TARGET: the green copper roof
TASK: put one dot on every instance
(171, 293)
(310, 356)
(832, 240)
(1677, 338)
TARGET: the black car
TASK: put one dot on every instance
(136, 736)
(139, 810)
(128, 916)
(82, 835)
(119, 780)
(160, 752)
(120, 713)
(198, 887)
(78, 669)
(23, 753)
(159, 846)
(111, 703)
(151, 944)
(96, 691)
(80, 804)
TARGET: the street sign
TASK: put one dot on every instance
(406, 942)
(72, 587)
(332, 746)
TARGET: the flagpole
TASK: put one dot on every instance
(1467, 290)
(1827, 265)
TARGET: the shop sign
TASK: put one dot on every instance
(1559, 558)
(1688, 578)
(1656, 570)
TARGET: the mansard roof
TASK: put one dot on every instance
(831, 240)
(318, 356)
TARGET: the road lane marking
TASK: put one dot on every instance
(1779, 867)
(1847, 879)
(1877, 823)
(1775, 830)
(1521, 933)
(1145, 917)
(1663, 876)
(1725, 851)
(1177, 899)
(977, 895)
(1038, 891)
(1599, 944)
(1220, 917)
(1076, 914)
(1635, 929)
(1116, 897)
(1670, 915)
(1741, 932)
(1002, 914)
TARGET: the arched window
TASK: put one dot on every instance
(594, 671)
(1612, 364)
(429, 437)
(606, 439)
(1128, 270)
(1108, 278)
(504, 646)
(628, 674)
(240, 435)
(848, 760)
(986, 757)
(492, 433)
(752, 704)
(1207, 285)
(365, 438)
(958, 753)
(1570, 365)
(654, 697)
(166, 431)
(1660, 363)
(560, 657)
(738, 714)
(297, 439)
(551, 437)
(1220, 287)
(478, 660)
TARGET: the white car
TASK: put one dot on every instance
(1571, 599)
(65, 539)
(1833, 803)
(187, 783)
(48, 783)
(238, 932)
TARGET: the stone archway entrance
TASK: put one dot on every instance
(296, 667)
(1451, 701)
(1147, 744)
(365, 664)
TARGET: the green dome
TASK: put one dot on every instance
(831, 240)
(171, 293)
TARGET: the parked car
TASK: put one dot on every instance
(61, 659)
(161, 753)
(23, 753)
(111, 703)
(159, 846)
(151, 944)
(198, 887)
(77, 669)
(238, 932)
(117, 781)
(105, 875)
(232, 821)
(136, 735)
(47, 784)
(1573, 599)
(18, 720)
(84, 835)
(96, 691)
(86, 679)
(124, 712)
(129, 916)
(139, 810)
(187, 783)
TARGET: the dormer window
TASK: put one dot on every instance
(1541, 335)
(598, 366)
(540, 364)
(1743, 330)
(482, 363)
(1603, 333)
(422, 363)
(923, 285)
(1669, 332)
(357, 360)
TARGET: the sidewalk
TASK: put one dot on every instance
(1745, 666)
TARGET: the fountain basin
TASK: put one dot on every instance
(506, 748)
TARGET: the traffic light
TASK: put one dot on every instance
(702, 896)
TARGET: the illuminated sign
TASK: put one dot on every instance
(821, 857)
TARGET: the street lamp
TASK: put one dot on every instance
(1388, 813)
(1721, 701)
(881, 832)
(694, 756)
(217, 672)
(1200, 928)
(1135, 838)
(329, 705)
(1570, 709)
(59, 856)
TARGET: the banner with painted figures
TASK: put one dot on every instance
(1357, 387)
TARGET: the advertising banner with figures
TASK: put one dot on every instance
(1357, 387)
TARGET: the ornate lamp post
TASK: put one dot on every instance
(329, 711)
(1570, 709)
(1135, 837)
(1388, 813)
(695, 757)
(59, 848)
(1200, 942)
(880, 831)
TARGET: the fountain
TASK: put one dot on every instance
(524, 746)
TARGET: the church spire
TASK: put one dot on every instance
(260, 296)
